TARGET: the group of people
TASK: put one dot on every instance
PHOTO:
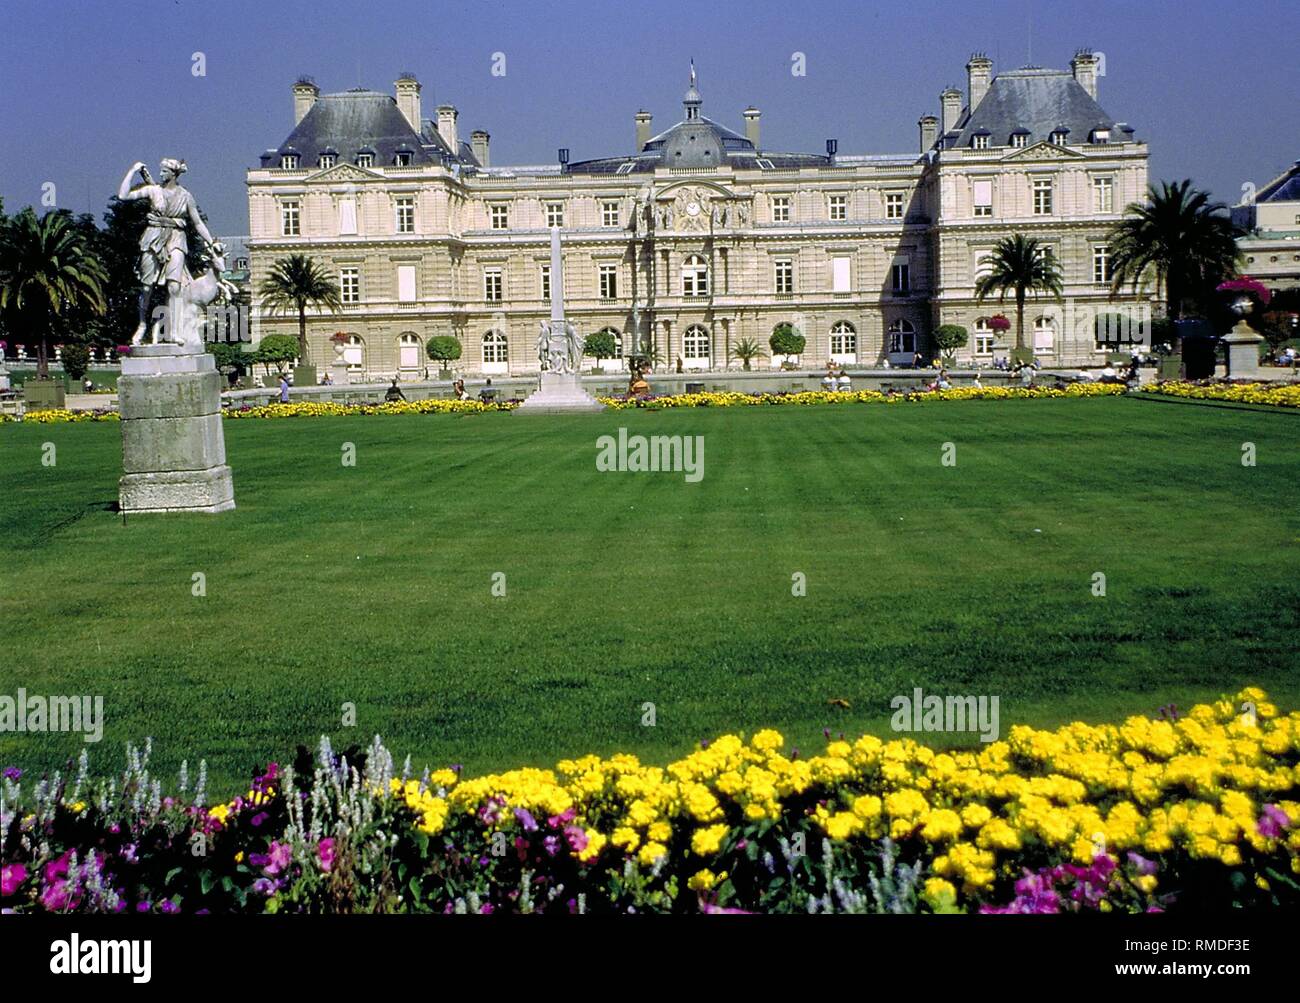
(836, 379)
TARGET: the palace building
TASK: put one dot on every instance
(700, 236)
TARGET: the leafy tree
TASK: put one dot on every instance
(295, 283)
(600, 345)
(746, 350)
(119, 251)
(1019, 265)
(786, 340)
(76, 360)
(1180, 240)
(276, 350)
(48, 275)
(950, 337)
(231, 355)
(444, 349)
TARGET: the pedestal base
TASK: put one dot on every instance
(1242, 344)
(559, 394)
(339, 374)
(173, 444)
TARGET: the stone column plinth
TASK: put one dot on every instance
(339, 375)
(173, 445)
(559, 393)
(1242, 345)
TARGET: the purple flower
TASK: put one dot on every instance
(280, 857)
(576, 837)
(169, 907)
(1141, 864)
(552, 845)
(325, 853)
(264, 886)
(526, 819)
(12, 772)
(11, 876)
(143, 906)
(259, 818)
(1272, 822)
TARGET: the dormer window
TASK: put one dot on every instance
(289, 161)
(980, 141)
(1059, 136)
(402, 158)
(1100, 136)
(327, 160)
(1019, 140)
(366, 159)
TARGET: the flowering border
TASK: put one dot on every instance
(1272, 394)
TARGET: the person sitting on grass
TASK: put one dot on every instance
(394, 392)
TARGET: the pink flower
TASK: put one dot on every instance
(325, 853)
(11, 876)
(1272, 822)
(278, 859)
(576, 837)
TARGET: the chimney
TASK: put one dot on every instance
(751, 124)
(950, 100)
(478, 140)
(643, 120)
(1084, 65)
(305, 92)
(979, 71)
(447, 128)
(929, 132)
(408, 99)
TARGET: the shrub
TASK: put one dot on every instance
(950, 337)
(76, 360)
(443, 348)
(786, 340)
(600, 345)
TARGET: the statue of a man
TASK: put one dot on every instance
(164, 244)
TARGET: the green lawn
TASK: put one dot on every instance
(371, 584)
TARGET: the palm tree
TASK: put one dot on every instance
(1179, 238)
(1021, 265)
(48, 273)
(747, 350)
(294, 283)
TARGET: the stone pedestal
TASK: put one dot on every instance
(173, 445)
(339, 374)
(559, 393)
(4, 377)
(1242, 344)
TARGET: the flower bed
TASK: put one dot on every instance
(1277, 395)
(315, 409)
(1196, 811)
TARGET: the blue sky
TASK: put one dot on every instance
(88, 87)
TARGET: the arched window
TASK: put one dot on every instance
(1044, 336)
(495, 352)
(354, 353)
(695, 345)
(844, 342)
(984, 337)
(695, 276)
(902, 337)
(408, 352)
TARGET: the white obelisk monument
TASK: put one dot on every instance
(559, 351)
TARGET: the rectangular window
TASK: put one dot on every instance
(554, 214)
(608, 282)
(289, 161)
(609, 213)
(839, 207)
(840, 271)
(365, 160)
(1101, 264)
(784, 276)
(1019, 141)
(500, 216)
(405, 214)
(406, 283)
(326, 160)
(980, 142)
(290, 219)
(402, 159)
(1103, 195)
(347, 216)
(492, 288)
(780, 208)
(1043, 197)
(901, 277)
(894, 205)
(982, 197)
(546, 282)
(350, 285)
(983, 344)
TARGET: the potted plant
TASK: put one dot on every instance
(747, 350)
(948, 338)
(444, 349)
(788, 342)
(600, 346)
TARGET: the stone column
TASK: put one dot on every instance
(173, 445)
(1242, 345)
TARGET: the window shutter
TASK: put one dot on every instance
(840, 275)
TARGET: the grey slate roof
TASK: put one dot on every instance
(362, 120)
(1282, 189)
(1036, 101)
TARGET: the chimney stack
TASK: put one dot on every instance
(950, 100)
(305, 92)
(751, 124)
(478, 140)
(1084, 65)
(447, 128)
(643, 120)
(929, 132)
(408, 99)
(979, 71)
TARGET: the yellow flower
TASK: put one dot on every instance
(701, 881)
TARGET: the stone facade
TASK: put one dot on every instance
(698, 239)
(1271, 249)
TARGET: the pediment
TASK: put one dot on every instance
(1043, 151)
(344, 173)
